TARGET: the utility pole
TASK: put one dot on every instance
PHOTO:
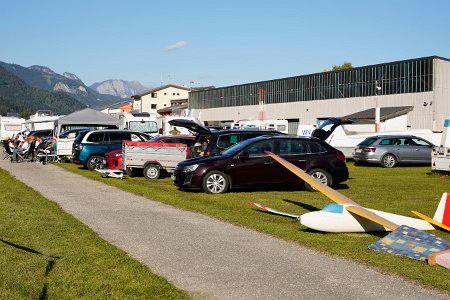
(377, 108)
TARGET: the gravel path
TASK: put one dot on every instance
(208, 258)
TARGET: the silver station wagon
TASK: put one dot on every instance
(390, 150)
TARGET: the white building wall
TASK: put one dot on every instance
(308, 111)
(440, 105)
(430, 108)
(162, 99)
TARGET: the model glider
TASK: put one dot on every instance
(114, 173)
(345, 215)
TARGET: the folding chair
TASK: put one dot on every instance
(7, 152)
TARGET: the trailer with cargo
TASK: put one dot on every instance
(152, 157)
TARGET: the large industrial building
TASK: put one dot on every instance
(423, 83)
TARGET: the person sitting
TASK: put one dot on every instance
(49, 149)
(40, 147)
(21, 149)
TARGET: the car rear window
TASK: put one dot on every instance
(80, 136)
(226, 140)
(419, 142)
(367, 142)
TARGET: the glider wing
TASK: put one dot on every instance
(271, 210)
(324, 189)
(430, 220)
(334, 195)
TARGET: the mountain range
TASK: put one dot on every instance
(44, 78)
(18, 96)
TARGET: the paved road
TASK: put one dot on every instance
(208, 258)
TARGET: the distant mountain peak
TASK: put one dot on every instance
(71, 76)
(42, 69)
(120, 88)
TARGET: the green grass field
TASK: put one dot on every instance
(47, 254)
(397, 190)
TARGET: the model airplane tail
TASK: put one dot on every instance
(441, 216)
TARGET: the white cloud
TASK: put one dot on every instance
(175, 46)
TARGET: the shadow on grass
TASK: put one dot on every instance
(302, 205)
(51, 262)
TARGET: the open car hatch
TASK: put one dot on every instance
(328, 126)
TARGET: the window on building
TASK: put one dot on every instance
(411, 76)
(154, 95)
(153, 106)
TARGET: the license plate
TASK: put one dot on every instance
(441, 150)
(358, 150)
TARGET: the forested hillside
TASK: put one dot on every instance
(45, 78)
(18, 96)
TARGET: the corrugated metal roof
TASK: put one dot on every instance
(386, 113)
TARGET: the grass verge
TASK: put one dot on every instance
(46, 253)
(397, 190)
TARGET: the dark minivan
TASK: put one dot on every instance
(210, 142)
(247, 165)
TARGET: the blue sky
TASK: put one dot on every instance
(218, 43)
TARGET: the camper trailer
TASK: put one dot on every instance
(41, 120)
(276, 124)
(10, 125)
(143, 122)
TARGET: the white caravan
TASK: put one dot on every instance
(275, 124)
(143, 122)
(10, 125)
(41, 120)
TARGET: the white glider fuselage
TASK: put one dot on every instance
(335, 218)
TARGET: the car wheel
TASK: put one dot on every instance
(152, 172)
(388, 161)
(95, 162)
(215, 182)
(322, 176)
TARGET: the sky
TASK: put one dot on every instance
(217, 43)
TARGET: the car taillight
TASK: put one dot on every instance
(369, 149)
(340, 157)
(208, 153)
(188, 151)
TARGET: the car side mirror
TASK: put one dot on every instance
(160, 131)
